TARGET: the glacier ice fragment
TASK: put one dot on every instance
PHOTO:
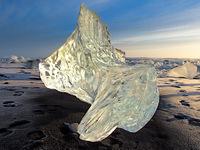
(120, 54)
(87, 66)
(188, 70)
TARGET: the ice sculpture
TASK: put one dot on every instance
(188, 70)
(87, 67)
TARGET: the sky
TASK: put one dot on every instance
(141, 28)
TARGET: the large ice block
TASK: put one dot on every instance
(86, 66)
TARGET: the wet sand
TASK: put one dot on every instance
(32, 116)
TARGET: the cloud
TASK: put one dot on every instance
(135, 26)
(171, 33)
(162, 48)
(139, 21)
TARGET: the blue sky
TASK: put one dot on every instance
(141, 28)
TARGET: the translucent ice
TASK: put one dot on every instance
(87, 67)
(188, 70)
(120, 54)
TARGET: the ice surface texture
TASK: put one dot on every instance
(87, 67)
(188, 70)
